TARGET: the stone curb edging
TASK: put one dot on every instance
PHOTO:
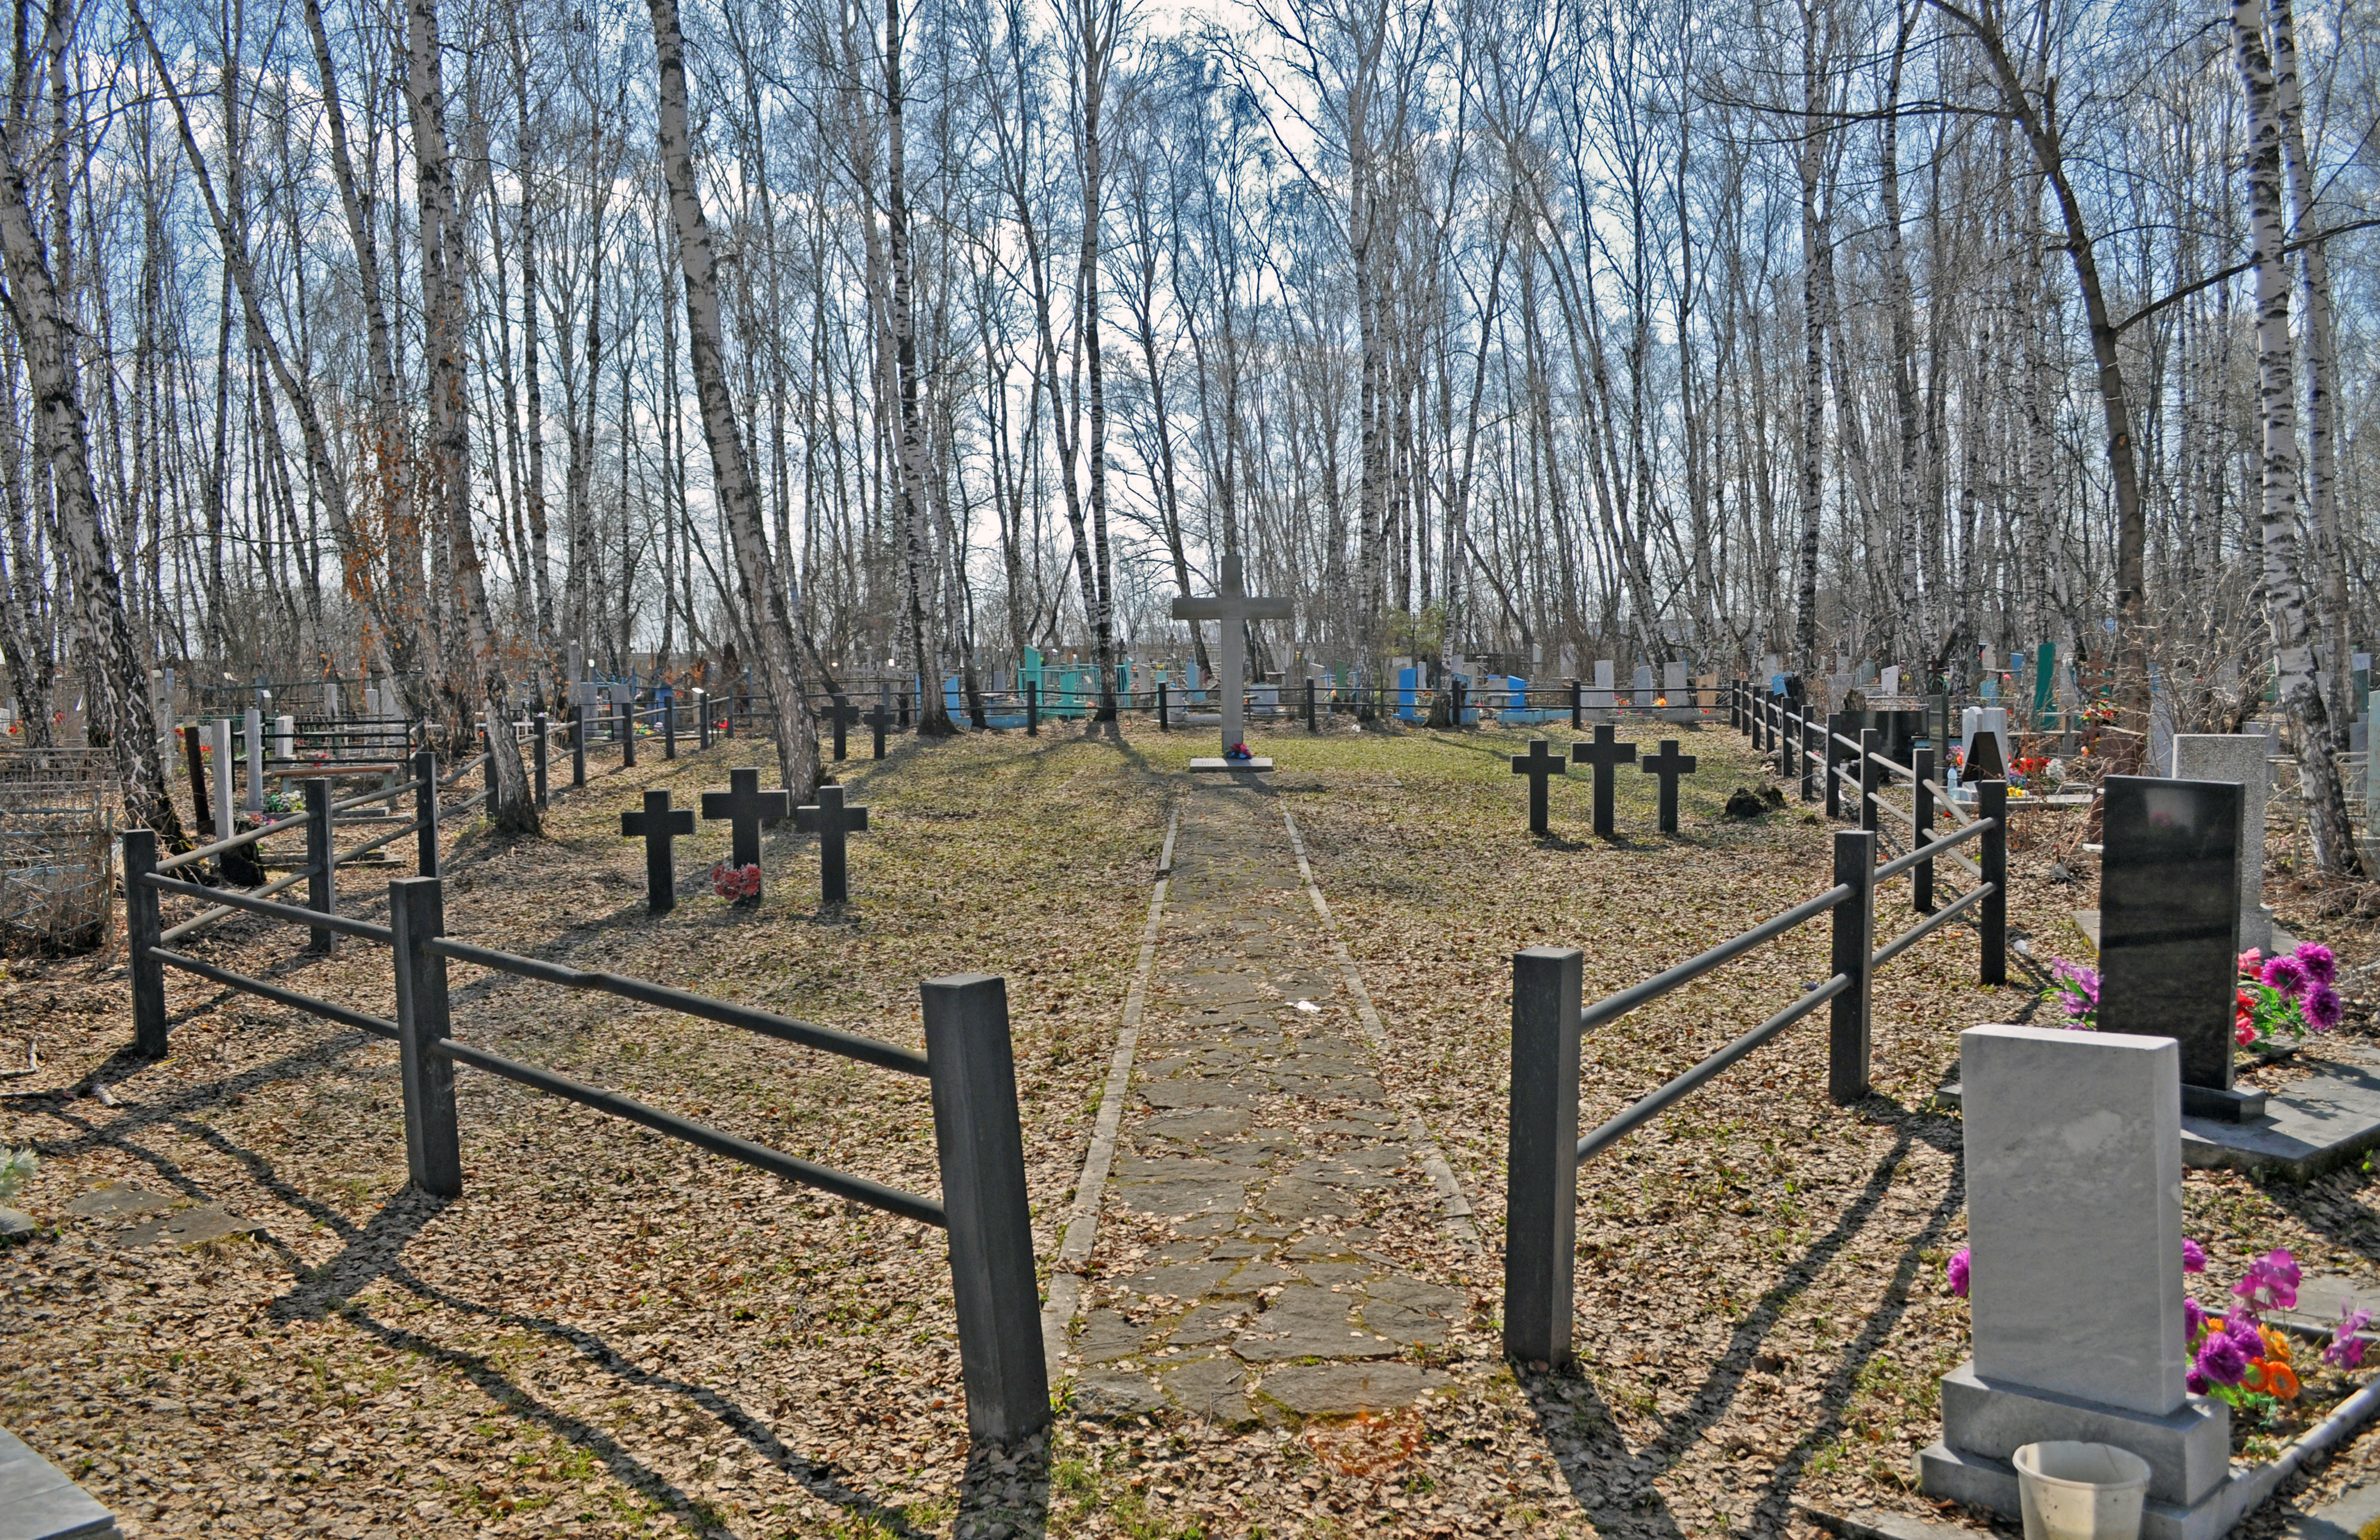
(1065, 1295)
(1458, 1221)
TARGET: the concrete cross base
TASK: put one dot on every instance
(1215, 763)
(37, 1502)
(2189, 1450)
(2277, 941)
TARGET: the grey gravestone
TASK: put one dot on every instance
(1668, 765)
(1600, 698)
(1674, 681)
(2169, 927)
(1643, 684)
(2238, 758)
(1605, 754)
(1537, 765)
(745, 807)
(2074, 1164)
(831, 821)
(659, 827)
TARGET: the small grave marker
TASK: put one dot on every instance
(1668, 765)
(831, 821)
(1537, 765)
(659, 827)
(745, 807)
(1604, 753)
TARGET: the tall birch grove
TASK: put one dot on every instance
(791, 347)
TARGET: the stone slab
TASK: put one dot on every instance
(1215, 1389)
(189, 1228)
(15, 1225)
(2310, 1126)
(1216, 764)
(2241, 758)
(2189, 1450)
(114, 1201)
(1349, 1389)
(1115, 1396)
(2073, 1162)
(37, 1502)
(2357, 1509)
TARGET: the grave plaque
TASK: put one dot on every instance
(2238, 758)
(2169, 927)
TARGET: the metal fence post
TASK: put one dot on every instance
(1854, 939)
(433, 1155)
(1921, 876)
(1164, 715)
(627, 735)
(1541, 1158)
(322, 862)
(425, 811)
(842, 710)
(578, 744)
(541, 729)
(1834, 762)
(141, 929)
(702, 722)
(982, 1154)
(1032, 710)
(1991, 802)
(1577, 707)
(1871, 744)
(1310, 724)
(669, 725)
(1806, 742)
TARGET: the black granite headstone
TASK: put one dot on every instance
(2170, 929)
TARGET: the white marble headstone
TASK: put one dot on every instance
(1892, 681)
(1674, 681)
(2238, 758)
(2073, 1172)
(1976, 720)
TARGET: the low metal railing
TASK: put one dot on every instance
(1545, 1150)
(968, 1062)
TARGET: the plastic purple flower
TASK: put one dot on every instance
(1958, 1272)
(2193, 1319)
(2346, 1349)
(2271, 1283)
(2324, 1009)
(2196, 1383)
(2320, 962)
(2242, 1327)
(2193, 1256)
(2221, 1359)
(2287, 974)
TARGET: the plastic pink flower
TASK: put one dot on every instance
(2243, 1031)
(1958, 1272)
(2346, 1349)
(2193, 1256)
(2287, 974)
(2324, 1009)
(2253, 961)
(2271, 1283)
(2320, 962)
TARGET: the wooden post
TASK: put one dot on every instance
(1164, 720)
(1921, 876)
(538, 753)
(425, 811)
(141, 931)
(322, 862)
(1032, 710)
(1541, 1158)
(981, 1147)
(1991, 802)
(433, 1155)
(578, 745)
(1855, 944)
(1871, 744)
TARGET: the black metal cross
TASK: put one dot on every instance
(658, 826)
(878, 719)
(831, 821)
(1668, 765)
(1538, 764)
(1604, 754)
(746, 805)
(843, 713)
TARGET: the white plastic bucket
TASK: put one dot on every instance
(2075, 1491)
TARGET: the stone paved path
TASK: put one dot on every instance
(1262, 1179)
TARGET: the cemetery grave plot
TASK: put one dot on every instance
(608, 1333)
(1762, 1311)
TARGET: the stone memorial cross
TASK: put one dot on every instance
(1231, 604)
(659, 827)
(1537, 765)
(745, 806)
(1668, 765)
(831, 821)
(1604, 754)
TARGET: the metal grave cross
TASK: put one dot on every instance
(1604, 754)
(1231, 604)
(1538, 764)
(878, 717)
(843, 713)
(659, 826)
(831, 821)
(745, 805)
(1668, 765)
